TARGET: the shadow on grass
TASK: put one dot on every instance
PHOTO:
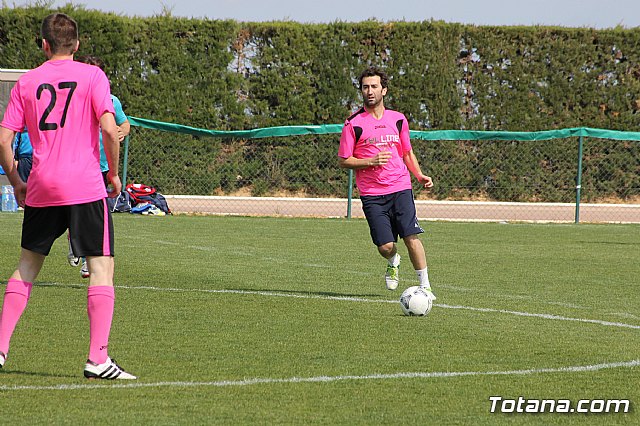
(248, 290)
(45, 284)
(307, 293)
(611, 243)
(4, 372)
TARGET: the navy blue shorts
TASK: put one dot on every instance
(90, 228)
(24, 167)
(390, 216)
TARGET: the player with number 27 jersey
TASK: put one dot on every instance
(72, 101)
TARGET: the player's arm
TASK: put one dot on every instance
(112, 151)
(123, 130)
(412, 164)
(7, 162)
(346, 160)
(124, 127)
(6, 151)
(362, 163)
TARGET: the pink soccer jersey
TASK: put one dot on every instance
(363, 136)
(61, 103)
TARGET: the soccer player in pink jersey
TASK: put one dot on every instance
(375, 143)
(64, 104)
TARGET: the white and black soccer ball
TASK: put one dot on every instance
(415, 301)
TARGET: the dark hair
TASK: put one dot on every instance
(372, 72)
(61, 32)
(91, 60)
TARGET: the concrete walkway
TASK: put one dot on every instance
(427, 210)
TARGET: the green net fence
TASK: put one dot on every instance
(566, 175)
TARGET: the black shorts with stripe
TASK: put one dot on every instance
(90, 228)
(391, 215)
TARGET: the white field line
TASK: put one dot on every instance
(359, 273)
(245, 253)
(543, 316)
(624, 315)
(365, 300)
(514, 296)
(329, 379)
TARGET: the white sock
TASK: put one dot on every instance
(394, 260)
(423, 277)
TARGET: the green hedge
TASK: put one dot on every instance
(229, 75)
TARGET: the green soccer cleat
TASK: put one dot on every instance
(391, 276)
(429, 292)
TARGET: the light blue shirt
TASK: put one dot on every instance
(23, 144)
(120, 118)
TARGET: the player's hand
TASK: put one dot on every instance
(115, 186)
(382, 158)
(20, 192)
(426, 181)
(120, 134)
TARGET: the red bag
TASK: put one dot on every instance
(137, 190)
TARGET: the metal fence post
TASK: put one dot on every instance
(579, 180)
(125, 161)
(350, 194)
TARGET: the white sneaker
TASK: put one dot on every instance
(84, 271)
(3, 359)
(391, 277)
(71, 257)
(109, 370)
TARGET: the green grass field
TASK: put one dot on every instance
(233, 320)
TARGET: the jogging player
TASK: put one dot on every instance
(64, 104)
(375, 143)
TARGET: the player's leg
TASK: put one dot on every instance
(392, 274)
(418, 259)
(40, 228)
(102, 270)
(406, 221)
(416, 251)
(377, 211)
(84, 269)
(71, 257)
(16, 297)
(91, 230)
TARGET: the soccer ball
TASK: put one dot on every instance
(415, 301)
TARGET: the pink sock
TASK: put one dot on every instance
(100, 303)
(16, 297)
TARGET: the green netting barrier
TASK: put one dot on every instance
(266, 132)
(323, 129)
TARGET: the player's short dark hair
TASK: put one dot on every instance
(372, 72)
(91, 60)
(61, 32)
